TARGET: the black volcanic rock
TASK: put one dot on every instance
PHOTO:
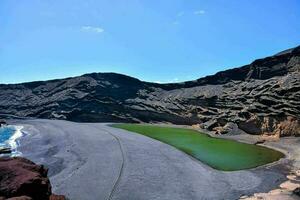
(5, 151)
(2, 122)
(263, 95)
(297, 191)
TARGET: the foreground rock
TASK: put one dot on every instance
(5, 150)
(21, 179)
(286, 189)
(259, 98)
(2, 122)
(297, 191)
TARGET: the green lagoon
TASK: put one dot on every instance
(221, 154)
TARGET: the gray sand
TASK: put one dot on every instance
(96, 162)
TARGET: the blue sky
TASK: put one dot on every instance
(153, 40)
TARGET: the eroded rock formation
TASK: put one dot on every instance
(260, 98)
(2, 122)
(21, 179)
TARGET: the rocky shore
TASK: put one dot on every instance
(115, 162)
(2, 122)
(288, 189)
(21, 179)
(72, 150)
(4, 150)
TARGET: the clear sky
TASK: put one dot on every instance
(153, 40)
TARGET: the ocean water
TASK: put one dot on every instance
(5, 134)
(9, 136)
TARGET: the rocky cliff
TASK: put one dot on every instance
(262, 97)
(21, 179)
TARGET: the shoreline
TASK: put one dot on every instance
(284, 190)
(288, 146)
(14, 140)
(72, 150)
(249, 139)
(205, 132)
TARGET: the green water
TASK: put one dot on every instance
(221, 154)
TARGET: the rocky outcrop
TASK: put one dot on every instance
(260, 98)
(2, 122)
(230, 128)
(297, 191)
(18, 198)
(57, 197)
(5, 150)
(21, 179)
(289, 126)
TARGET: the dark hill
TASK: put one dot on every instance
(262, 97)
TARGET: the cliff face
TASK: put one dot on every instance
(21, 179)
(262, 97)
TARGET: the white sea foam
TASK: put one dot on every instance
(13, 140)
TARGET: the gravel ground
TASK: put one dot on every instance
(89, 161)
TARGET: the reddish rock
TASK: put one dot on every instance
(20, 177)
(287, 126)
(57, 197)
(20, 198)
(260, 141)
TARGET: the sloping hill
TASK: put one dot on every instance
(262, 97)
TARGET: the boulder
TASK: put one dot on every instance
(297, 191)
(57, 197)
(2, 122)
(5, 150)
(261, 141)
(20, 198)
(251, 126)
(218, 130)
(210, 124)
(21, 179)
(231, 128)
(287, 126)
(20, 176)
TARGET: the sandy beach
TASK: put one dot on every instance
(94, 161)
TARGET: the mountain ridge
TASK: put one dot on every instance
(261, 95)
(281, 53)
